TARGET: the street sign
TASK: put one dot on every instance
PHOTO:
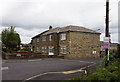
(106, 46)
(106, 39)
(106, 43)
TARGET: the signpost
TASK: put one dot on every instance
(106, 46)
(106, 39)
(106, 42)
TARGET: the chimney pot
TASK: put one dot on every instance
(50, 27)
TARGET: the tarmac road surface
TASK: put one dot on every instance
(44, 68)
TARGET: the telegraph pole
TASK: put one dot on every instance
(107, 28)
(107, 18)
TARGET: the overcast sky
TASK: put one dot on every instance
(32, 17)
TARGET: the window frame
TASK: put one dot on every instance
(44, 49)
(38, 49)
(63, 36)
(51, 49)
(50, 37)
(63, 49)
(38, 40)
(44, 38)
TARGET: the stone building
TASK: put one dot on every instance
(70, 41)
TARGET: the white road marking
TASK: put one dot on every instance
(64, 72)
(40, 75)
(35, 60)
(4, 68)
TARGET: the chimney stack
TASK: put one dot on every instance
(50, 27)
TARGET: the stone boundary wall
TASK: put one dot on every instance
(27, 56)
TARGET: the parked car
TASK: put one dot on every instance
(23, 52)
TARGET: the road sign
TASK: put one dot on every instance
(106, 39)
(106, 43)
(106, 46)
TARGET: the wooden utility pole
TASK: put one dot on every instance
(107, 18)
(107, 28)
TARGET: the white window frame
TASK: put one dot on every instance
(44, 38)
(50, 37)
(63, 49)
(63, 36)
(51, 49)
(44, 49)
(38, 49)
(37, 39)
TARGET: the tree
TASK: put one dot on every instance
(11, 39)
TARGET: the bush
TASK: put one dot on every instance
(106, 74)
(109, 73)
(115, 53)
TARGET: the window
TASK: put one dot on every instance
(34, 40)
(38, 49)
(44, 38)
(63, 49)
(63, 36)
(51, 49)
(37, 40)
(44, 49)
(50, 37)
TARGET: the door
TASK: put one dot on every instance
(51, 50)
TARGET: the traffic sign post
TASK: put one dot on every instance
(107, 35)
(106, 47)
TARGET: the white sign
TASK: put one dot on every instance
(106, 39)
(18, 54)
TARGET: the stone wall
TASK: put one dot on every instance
(65, 43)
(78, 45)
(46, 44)
(82, 45)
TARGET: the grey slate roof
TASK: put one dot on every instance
(68, 28)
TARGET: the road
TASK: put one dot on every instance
(43, 69)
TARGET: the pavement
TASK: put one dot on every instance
(44, 68)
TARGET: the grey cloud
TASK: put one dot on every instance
(39, 15)
(31, 15)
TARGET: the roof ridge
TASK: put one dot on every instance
(67, 28)
(80, 27)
